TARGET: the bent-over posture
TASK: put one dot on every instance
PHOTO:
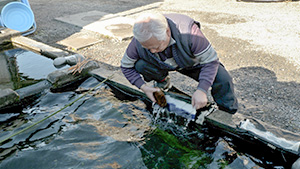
(174, 42)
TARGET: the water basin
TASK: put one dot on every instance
(24, 68)
(103, 131)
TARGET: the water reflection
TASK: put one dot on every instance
(93, 132)
(101, 131)
(20, 68)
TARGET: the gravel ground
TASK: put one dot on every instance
(258, 43)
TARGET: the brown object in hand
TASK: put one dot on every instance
(160, 98)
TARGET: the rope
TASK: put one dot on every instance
(21, 131)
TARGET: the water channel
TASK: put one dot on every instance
(106, 129)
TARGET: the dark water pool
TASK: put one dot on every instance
(24, 67)
(102, 131)
(95, 132)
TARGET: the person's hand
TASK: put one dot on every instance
(149, 91)
(199, 99)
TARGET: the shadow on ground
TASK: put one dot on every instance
(263, 97)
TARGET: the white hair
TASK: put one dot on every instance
(149, 25)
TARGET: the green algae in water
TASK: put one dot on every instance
(164, 150)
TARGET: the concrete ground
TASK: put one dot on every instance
(258, 43)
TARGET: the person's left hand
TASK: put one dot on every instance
(199, 99)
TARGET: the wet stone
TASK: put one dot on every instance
(8, 97)
(33, 90)
(65, 77)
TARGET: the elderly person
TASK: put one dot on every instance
(174, 42)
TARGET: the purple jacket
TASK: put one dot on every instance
(188, 48)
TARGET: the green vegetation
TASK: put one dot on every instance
(167, 151)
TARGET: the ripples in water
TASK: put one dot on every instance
(102, 131)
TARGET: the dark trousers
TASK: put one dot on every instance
(222, 87)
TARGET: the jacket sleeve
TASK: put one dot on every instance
(127, 65)
(205, 56)
(207, 75)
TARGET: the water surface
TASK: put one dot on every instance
(98, 131)
(102, 131)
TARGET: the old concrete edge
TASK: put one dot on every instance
(55, 80)
(8, 97)
(6, 34)
(19, 96)
(65, 77)
(230, 124)
(16, 38)
(34, 89)
(38, 47)
(116, 79)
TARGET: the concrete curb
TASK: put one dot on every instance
(8, 97)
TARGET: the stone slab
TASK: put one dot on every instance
(115, 26)
(116, 75)
(64, 77)
(84, 18)
(223, 118)
(6, 34)
(38, 47)
(78, 41)
(34, 89)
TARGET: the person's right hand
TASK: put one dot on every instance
(149, 91)
(199, 99)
